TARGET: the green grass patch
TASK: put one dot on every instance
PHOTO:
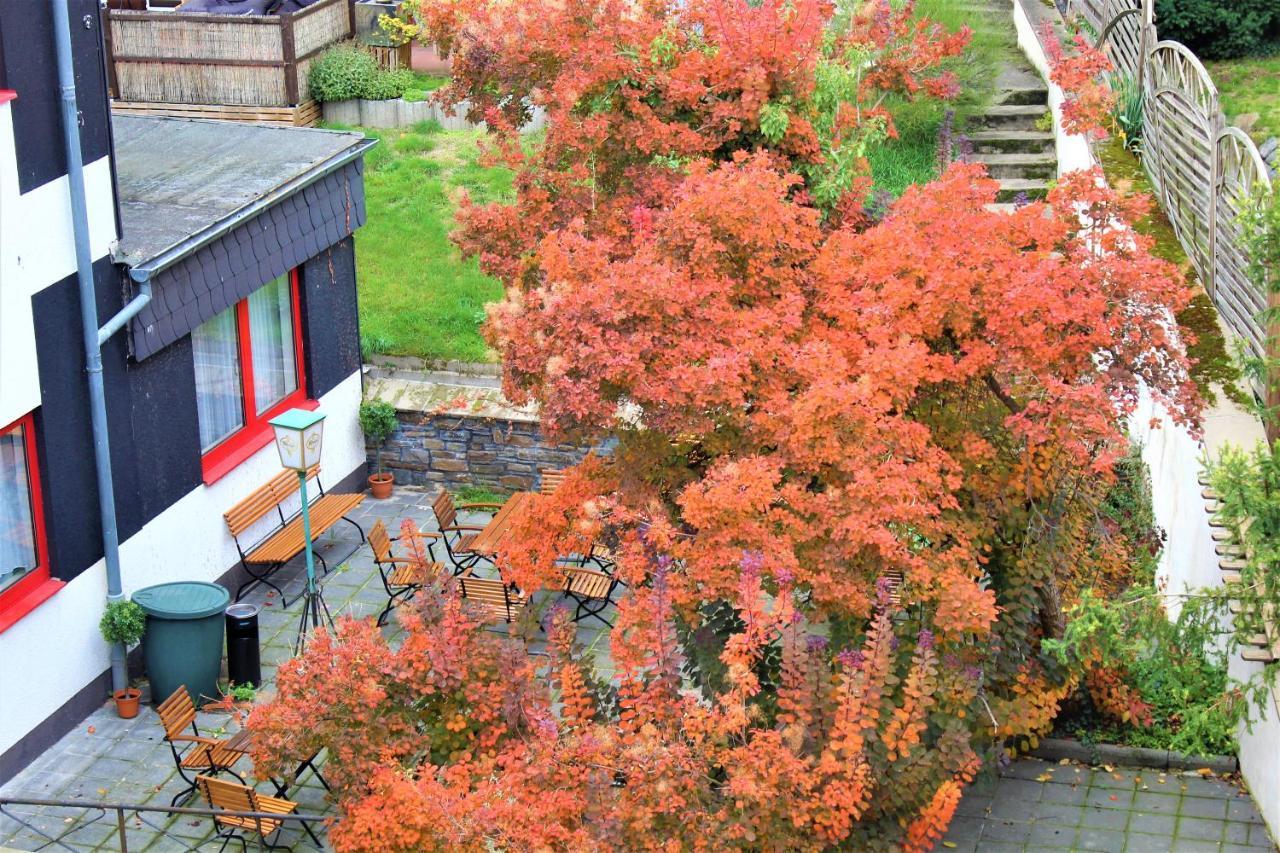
(418, 296)
(912, 158)
(1215, 368)
(473, 494)
(424, 85)
(1250, 85)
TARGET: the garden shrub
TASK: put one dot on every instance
(346, 72)
(1218, 30)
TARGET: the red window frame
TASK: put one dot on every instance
(256, 433)
(37, 585)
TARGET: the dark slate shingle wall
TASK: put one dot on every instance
(219, 275)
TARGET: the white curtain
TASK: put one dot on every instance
(218, 395)
(275, 375)
(17, 534)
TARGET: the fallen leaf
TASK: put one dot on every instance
(1044, 777)
(1108, 768)
(1113, 797)
(949, 844)
(1065, 761)
(92, 729)
(1205, 771)
(102, 792)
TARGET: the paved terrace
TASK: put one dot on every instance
(1031, 806)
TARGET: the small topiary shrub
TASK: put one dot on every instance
(378, 421)
(1219, 30)
(345, 72)
(123, 622)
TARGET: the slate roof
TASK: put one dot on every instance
(181, 182)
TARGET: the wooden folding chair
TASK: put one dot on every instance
(197, 752)
(591, 591)
(458, 538)
(228, 796)
(402, 577)
(493, 597)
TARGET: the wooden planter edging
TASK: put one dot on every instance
(401, 113)
(220, 60)
(303, 115)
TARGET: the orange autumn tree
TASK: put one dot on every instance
(855, 458)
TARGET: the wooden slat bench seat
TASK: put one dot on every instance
(286, 539)
(493, 597)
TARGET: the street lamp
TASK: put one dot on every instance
(299, 435)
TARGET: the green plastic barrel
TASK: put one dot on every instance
(183, 642)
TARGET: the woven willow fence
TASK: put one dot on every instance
(1204, 173)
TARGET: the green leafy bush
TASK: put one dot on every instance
(345, 72)
(1129, 110)
(1215, 29)
(378, 420)
(123, 622)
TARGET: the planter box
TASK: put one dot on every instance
(234, 60)
(342, 112)
(402, 113)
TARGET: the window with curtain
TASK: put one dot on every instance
(247, 363)
(20, 551)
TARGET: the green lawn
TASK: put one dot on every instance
(418, 297)
(913, 157)
(1250, 85)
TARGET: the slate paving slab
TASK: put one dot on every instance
(1030, 805)
(1034, 805)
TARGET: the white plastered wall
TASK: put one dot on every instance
(54, 651)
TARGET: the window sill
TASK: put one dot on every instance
(12, 611)
(228, 456)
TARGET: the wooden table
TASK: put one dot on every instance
(499, 529)
(243, 742)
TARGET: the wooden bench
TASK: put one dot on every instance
(286, 539)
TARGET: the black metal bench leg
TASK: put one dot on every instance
(255, 579)
(363, 538)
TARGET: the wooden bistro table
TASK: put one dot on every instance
(243, 741)
(500, 527)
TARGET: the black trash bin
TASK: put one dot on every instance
(243, 664)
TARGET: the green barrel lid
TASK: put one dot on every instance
(182, 600)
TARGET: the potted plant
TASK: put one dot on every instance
(124, 622)
(378, 420)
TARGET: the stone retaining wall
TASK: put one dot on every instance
(464, 450)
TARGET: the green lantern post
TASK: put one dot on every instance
(299, 435)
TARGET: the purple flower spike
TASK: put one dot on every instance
(851, 658)
(752, 561)
(926, 639)
(784, 576)
(815, 643)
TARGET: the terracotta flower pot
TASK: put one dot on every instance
(127, 702)
(380, 485)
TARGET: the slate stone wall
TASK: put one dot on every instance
(456, 450)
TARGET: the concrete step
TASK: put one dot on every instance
(1012, 188)
(1042, 166)
(1258, 655)
(1010, 141)
(1010, 117)
(1032, 94)
(1002, 207)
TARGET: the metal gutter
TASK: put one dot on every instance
(89, 315)
(143, 272)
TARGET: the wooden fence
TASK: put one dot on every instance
(1204, 173)
(219, 60)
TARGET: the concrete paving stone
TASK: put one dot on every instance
(1062, 814)
(1005, 830)
(1045, 835)
(1029, 768)
(1070, 794)
(1000, 846)
(1237, 833)
(1137, 842)
(1096, 818)
(1203, 807)
(1201, 829)
(1019, 789)
(1160, 824)
(1121, 779)
(974, 805)
(1099, 839)
(1194, 786)
(957, 845)
(1258, 835)
(1007, 808)
(1109, 798)
(1241, 807)
(1187, 845)
(1149, 801)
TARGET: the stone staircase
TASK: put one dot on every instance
(1010, 138)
